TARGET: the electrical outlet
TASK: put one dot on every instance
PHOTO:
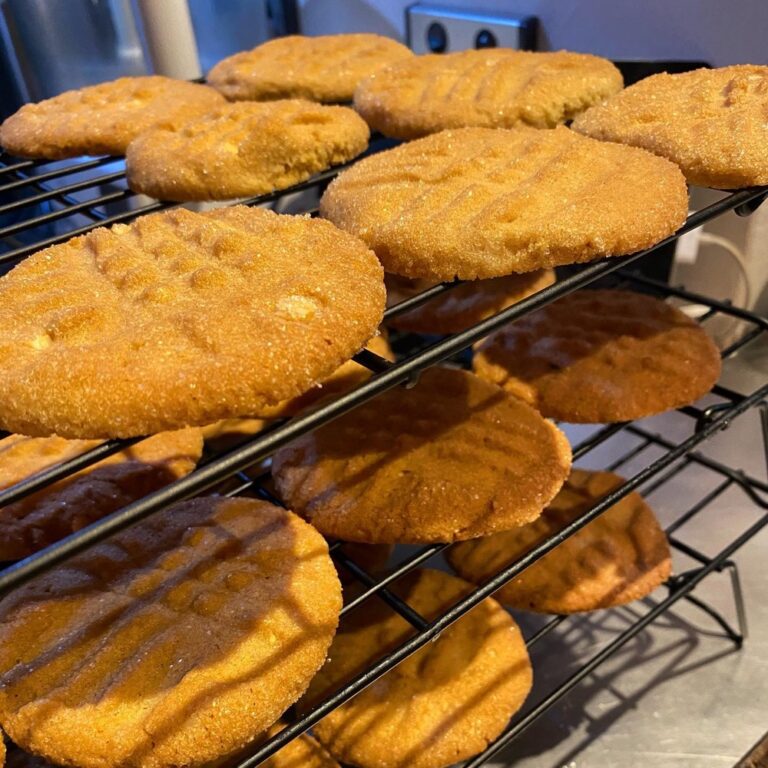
(434, 29)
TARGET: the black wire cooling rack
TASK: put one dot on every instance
(45, 203)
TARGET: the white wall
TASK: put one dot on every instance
(719, 31)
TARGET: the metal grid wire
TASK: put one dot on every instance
(76, 196)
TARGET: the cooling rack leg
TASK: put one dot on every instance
(763, 407)
(738, 599)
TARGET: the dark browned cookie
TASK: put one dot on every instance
(453, 458)
(602, 356)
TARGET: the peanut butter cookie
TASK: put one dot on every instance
(602, 356)
(477, 203)
(78, 500)
(322, 68)
(710, 122)
(453, 458)
(180, 319)
(488, 88)
(621, 556)
(463, 306)
(103, 119)
(175, 642)
(242, 150)
(442, 704)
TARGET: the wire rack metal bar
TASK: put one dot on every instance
(66, 170)
(89, 207)
(50, 194)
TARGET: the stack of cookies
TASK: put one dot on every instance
(184, 639)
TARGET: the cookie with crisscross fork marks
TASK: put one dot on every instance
(619, 557)
(179, 319)
(173, 643)
(602, 356)
(322, 68)
(713, 123)
(453, 458)
(244, 149)
(478, 202)
(103, 119)
(489, 88)
(439, 706)
(81, 498)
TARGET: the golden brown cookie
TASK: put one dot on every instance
(323, 68)
(488, 88)
(441, 705)
(175, 642)
(710, 122)
(451, 459)
(477, 202)
(80, 499)
(103, 119)
(178, 319)
(621, 556)
(242, 150)
(463, 306)
(602, 356)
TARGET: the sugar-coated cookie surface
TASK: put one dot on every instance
(244, 149)
(453, 458)
(621, 556)
(103, 119)
(226, 433)
(80, 499)
(441, 705)
(175, 642)
(344, 378)
(490, 88)
(710, 122)
(322, 68)
(602, 356)
(465, 305)
(179, 319)
(478, 203)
